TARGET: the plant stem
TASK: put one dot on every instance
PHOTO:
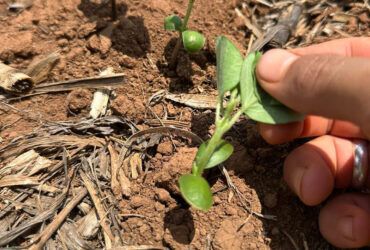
(175, 52)
(210, 149)
(222, 126)
(187, 16)
(184, 27)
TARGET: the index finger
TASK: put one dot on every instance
(350, 47)
(312, 126)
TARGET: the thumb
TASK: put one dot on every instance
(336, 87)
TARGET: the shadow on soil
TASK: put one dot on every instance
(180, 223)
(130, 36)
(185, 67)
(261, 167)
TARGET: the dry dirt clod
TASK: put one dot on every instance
(165, 148)
(139, 201)
(163, 196)
(79, 100)
(129, 107)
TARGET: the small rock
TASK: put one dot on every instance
(162, 195)
(129, 107)
(78, 100)
(86, 29)
(171, 109)
(127, 62)
(158, 156)
(62, 42)
(159, 206)
(231, 211)
(138, 201)
(75, 52)
(149, 77)
(99, 43)
(216, 200)
(165, 148)
(270, 200)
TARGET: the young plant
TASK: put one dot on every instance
(236, 76)
(193, 41)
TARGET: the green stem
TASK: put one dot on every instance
(187, 16)
(222, 126)
(210, 149)
(179, 41)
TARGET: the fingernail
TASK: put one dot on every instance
(345, 226)
(274, 64)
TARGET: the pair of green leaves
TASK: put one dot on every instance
(235, 72)
(194, 188)
(193, 41)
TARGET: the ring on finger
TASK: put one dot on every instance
(360, 164)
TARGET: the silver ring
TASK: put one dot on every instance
(360, 164)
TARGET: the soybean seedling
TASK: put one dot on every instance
(193, 41)
(236, 76)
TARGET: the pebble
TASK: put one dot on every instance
(165, 148)
(216, 200)
(162, 195)
(137, 202)
(231, 211)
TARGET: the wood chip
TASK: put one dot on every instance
(102, 213)
(58, 220)
(71, 238)
(13, 81)
(136, 165)
(115, 166)
(88, 226)
(100, 101)
(14, 180)
(39, 70)
(194, 100)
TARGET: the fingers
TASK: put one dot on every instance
(313, 170)
(350, 47)
(312, 126)
(345, 221)
(325, 85)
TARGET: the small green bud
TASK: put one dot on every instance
(193, 41)
(173, 22)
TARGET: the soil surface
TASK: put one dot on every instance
(154, 213)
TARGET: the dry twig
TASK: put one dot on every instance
(58, 220)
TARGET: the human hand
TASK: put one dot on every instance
(330, 80)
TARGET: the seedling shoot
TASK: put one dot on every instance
(236, 76)
(193, 41)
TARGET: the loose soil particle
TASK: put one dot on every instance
(140, 47)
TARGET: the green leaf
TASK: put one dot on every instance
(278, 114)
(193, 41)
(223, 151)
(248, 79)
(258, 104)
(173, 22)
(196, 191)
(229, 64)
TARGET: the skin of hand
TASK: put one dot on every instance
(331, 83)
